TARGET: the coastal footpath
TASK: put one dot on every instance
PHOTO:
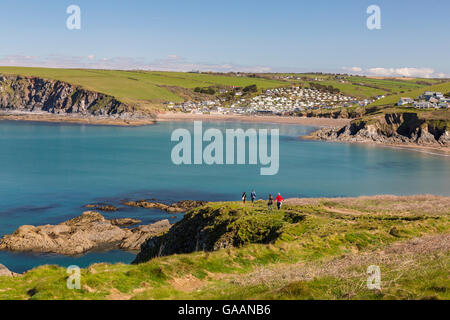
(311, 249)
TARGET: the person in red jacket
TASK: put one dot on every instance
(279, 199)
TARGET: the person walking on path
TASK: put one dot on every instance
(253, 196)
(279, 199)
(244, 197)
(270, 203)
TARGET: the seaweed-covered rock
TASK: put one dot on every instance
(101, 207)
(177, 207)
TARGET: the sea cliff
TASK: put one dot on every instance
(408, 128)
(42, 96)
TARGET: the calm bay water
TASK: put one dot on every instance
(48, 172)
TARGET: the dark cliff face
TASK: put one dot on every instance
(57, 97)
(342, 113)
(394, 128)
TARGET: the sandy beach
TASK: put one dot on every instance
(315, 122)
(53, 118)
(167, 117)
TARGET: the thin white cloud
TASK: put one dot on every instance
(353, 69)
(403, 72)
(170, 63)
(174, 57)
(397, 72)
(174, 62)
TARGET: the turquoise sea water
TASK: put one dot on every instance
(48, 172)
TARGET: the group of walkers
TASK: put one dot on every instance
(279, 200)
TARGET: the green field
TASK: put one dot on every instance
(311, 249)
(442, 87)
(140, 87)
(151, 88)
(367, 87)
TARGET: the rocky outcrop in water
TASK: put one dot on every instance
(101, 207)
(125, 222)
(30, 94)
(90, 231)
(177, 207)
(403, 128)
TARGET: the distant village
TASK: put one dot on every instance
(428, 100)
(279, 101)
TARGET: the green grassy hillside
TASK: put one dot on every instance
(151, 89)
(362, 87)
(393, 99)
(140, 87)
(323, 255)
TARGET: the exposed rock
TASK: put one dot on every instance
(125, 222)
(187, 205)
(146, 204)
(177, 207)
(101, 207)
(87, 232)
(341, 113)
(404, 128)
(4, 272)
(31, 94)
(213, 227)
(140, 234)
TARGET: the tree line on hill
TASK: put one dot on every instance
(213, 90)
(325, 88)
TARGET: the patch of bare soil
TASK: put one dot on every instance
(117, 295)
(187, 284)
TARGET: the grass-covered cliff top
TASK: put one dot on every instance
(141, 88)
(317, 249)
(149, 89)
(412, 93)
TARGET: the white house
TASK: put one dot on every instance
(404, 101)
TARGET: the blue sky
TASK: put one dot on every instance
(247, 35)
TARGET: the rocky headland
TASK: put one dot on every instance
(310, 249)
(217, 226)
(90, 231)
(404, 129)
(32, 98)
